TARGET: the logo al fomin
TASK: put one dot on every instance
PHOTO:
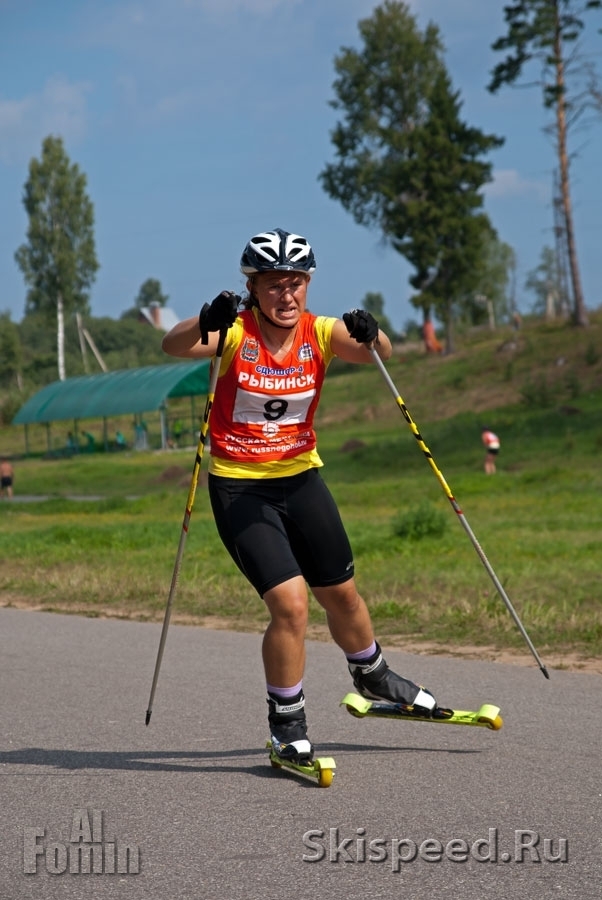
(86, 853)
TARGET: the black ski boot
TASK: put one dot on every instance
(374, 680)
(288, 729)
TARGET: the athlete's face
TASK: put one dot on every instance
(282, 296)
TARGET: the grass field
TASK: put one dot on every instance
(539, 519)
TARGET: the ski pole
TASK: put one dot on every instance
(456, 508)
(189, 504)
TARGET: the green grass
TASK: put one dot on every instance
(538, 520)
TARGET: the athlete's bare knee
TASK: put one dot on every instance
(339, 598)
(294, 621)
(288, 610)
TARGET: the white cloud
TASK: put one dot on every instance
(59, 108)
(510, 183)
(12, 113)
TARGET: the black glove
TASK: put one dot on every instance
(361, 325)
(220, 313)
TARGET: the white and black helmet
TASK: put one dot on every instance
(277, 251)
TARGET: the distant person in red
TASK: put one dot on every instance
(492, 446)
(7, 476)
(430, 338)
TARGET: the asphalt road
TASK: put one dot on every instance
(416, 810)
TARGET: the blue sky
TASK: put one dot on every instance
(201, 122)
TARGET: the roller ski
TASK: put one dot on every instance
(289, 746)
(321, 769)
(487, 716)
(384, 694)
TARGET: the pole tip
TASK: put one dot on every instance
(545, 672)
(149, 713)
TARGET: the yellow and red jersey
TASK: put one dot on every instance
(491, 440)
(261, 423)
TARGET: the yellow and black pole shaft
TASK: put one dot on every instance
(187, 514)
(462, 518)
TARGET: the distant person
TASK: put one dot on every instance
(431, 343)
(492, 445)
(177, 431)
(7, 477)
(140, 436)
(120, 441)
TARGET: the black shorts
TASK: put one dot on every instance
(278, 528)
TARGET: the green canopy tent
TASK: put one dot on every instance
(128, 391)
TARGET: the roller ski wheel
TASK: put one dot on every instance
(487, 716)
(321, 769)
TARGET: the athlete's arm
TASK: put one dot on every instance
(348, 349)
(184, 340)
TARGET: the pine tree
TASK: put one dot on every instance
(548, 31)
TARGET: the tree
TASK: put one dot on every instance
(548, 31)
(493, 299)
(59, 260)
(546, 283)
(123, 344)
(406, 164)
(150, 294)
(383, 93)
(374, 303)
(447, 232)
(11, 352)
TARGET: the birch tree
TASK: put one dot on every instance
(58, 260)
